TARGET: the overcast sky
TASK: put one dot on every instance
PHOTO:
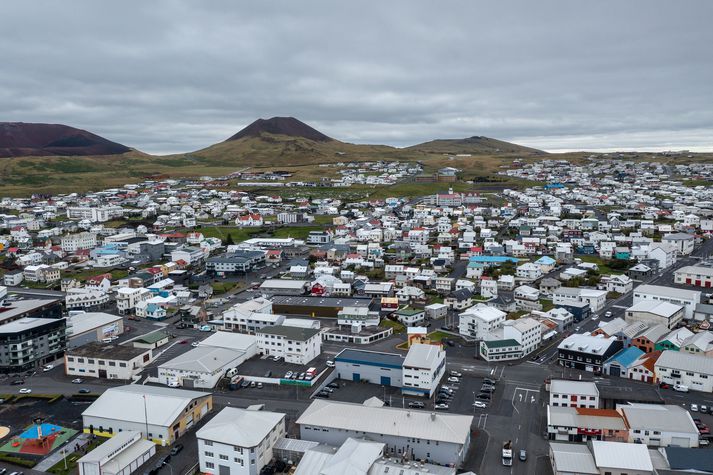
(176, 76)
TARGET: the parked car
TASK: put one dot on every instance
(704, 409)
(480, 405)
(194, 344)
(441, 407)
(77, 381)
(25, 391)
(682, 388)
(487, 389)
(302, 376)
(18, 382)
(275, 358)
(608, 314)
(663, 385)
(595, 317)
(176, 448)
(456, 374)
(450, 343)
(259, 385)
(489, 381)
(483, 397)
(333, 385)
(288, 375)
(416, 405)
(47, 367)
(183, 342)
(453, 379)
(523, 455)
(330, 364)
(84, 391)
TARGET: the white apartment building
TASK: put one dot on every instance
(526, 331)
(127, 298)
(75, 242)
(566, 393)
(595, 298)
(239, 441)
(423, 369)
(94, 214)
(480, 320)
(294, 344)
(688, 299)
(529, 271)
(101, 360)
(85, 298)
(250, 316)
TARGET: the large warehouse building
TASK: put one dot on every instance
(316, 306)
(160, 414)
(371, 366)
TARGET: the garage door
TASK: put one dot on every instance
(386, 380)
(614, 370)
(356, 377)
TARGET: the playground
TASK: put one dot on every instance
(38, 439)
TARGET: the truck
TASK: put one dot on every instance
(507, 453)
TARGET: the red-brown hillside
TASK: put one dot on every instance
(19, 139)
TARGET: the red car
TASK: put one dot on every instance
(665, 386)
(183, 342)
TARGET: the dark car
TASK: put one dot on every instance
(450, 343)
(176, 448)
(416, 405)
(18, 382)
(322, 395)
(333, 385)
(84, 391)
(483, 396)
(489, 381)
(487, 389)
(664, 386)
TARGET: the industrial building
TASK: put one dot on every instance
(316, 306)
(123, 454)
(160, 414)
(107, 361)
(414, 435)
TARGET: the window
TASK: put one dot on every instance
(208, 454)
(212, 465)
(208, 442)
(223, 457)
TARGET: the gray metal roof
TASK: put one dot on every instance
(685, 362)
(662, 417)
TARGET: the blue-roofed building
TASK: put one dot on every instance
(619, 364)
(546, 263)
(554, 186)
(372, 366)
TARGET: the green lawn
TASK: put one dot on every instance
(297, 232)
(222, 232)
(58, 468)
(398, 327)
(438, 335)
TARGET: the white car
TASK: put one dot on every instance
(194, 344)
(25, 391)
(453, 379)
(595, 317)
(480, 405)
(441, 407)
(456, 374)
(694, 407)
(77, 381)
(681, 388)
(608, 314)
(47, 367)
(330, 364)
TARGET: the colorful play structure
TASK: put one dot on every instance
(39, 439)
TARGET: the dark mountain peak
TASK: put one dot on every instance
(280, 126)
(20, 139)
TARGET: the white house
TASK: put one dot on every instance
(567, 393)
(694, 371)
(239, 441)
(294, 344)
(423, 369)
(660, 425)
(480, 320)
(127, 298)
(595, 298)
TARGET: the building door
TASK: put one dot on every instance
(386, 380)
(614, 370)
(223, 470)
(102, 373)
(356, 377)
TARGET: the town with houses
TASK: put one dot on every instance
(248, 324)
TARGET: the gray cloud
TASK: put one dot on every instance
(173, 76)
